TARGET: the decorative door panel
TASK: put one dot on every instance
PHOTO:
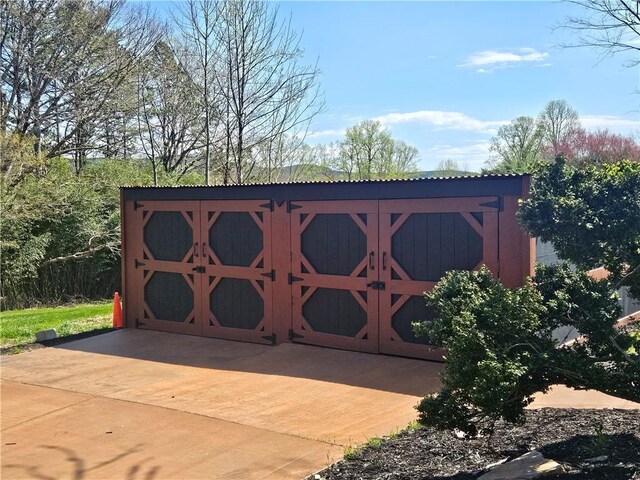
(166, 261)
(237, 270)
(334, 273)
(421, 240)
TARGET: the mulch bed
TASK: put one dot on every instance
(569, 436)
(27, 347)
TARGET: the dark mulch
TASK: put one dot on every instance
(27, 347)
(569, 436)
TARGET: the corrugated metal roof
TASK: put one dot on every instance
(330, 182)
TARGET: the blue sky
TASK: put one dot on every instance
(443, 76)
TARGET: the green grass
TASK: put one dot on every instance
(353, 451)
(20, 326)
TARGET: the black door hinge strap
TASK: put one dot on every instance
(271, 274)
(292, 206)
(268, 205)
(293, 335)
(497, 204)
(294, 279)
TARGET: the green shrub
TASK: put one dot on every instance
(48, 215)
(501, 342)
(501, 348)
(591, 216)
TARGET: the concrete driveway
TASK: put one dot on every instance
(136, 404)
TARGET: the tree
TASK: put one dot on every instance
(60, 232)
(404, 161)
(611, 25)
(600, 147)
(265, 91)
(367, 146)
(171, 129)
(517, 146)
(592, 217)
(285, 159)
(62, 63)
(368, 151)
(196, 22)
(501, 348)
(559, 123)
(448, 168)
(500, 342)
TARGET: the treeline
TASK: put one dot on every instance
(220, 87)
(99, 93)
(525, 143)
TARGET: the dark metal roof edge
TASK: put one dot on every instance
(339, 182)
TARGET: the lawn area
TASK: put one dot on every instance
(20, 326)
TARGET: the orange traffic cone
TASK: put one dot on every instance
(117, 312)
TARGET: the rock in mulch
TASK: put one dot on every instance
(572, 438)
(529, 466)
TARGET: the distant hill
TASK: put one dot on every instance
(310, 173)
(440, 173)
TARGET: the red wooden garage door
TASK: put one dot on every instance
(166, 259)
(420, 240)
(333, 251)
(204, 268)
(360, 268)
(238, 275)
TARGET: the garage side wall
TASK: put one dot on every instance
(517, 251)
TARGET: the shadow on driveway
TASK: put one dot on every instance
(378, 372)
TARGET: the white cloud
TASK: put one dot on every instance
(441, 119)
(330, 133)
(470, 156)
(611, 122)
(498, 59)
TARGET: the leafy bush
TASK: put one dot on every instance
(592, 217)
(501, 348)
(60, 232)
(500, 342)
